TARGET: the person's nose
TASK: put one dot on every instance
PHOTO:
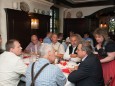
(21, 48)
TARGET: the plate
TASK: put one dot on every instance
(24, 6)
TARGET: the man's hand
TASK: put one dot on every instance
(72, 69)
(73, 55)
(59, 55)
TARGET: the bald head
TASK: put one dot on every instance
(34, 39)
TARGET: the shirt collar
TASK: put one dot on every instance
(84, 58)
(44, 60)
(55, 43)
(47, 37)
(10, 53)
(73, 46)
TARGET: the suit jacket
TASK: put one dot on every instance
(89, 73)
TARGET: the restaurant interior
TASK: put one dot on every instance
(20, 19)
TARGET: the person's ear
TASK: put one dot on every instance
(11, 49)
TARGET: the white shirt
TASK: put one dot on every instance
(84, 58)
(67, 55)
(59, 48)
(11, 67)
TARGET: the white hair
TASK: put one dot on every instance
(44, 49)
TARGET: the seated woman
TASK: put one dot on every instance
(106, 52)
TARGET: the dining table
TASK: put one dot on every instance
(63, 65)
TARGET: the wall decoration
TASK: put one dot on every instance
(35, 10)
(79, 14)
(68, 15)
(15, 5)
(24, 6)
(43, 12)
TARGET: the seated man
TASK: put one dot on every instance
(47, 39)
(51, 75)
(34, 45)
(88, 39)
(70, 53)
(11, 65)
(89, 72)
(58, 47)
(60, 40)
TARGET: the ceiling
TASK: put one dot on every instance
(83, 3)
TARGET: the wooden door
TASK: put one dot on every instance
(18, 26)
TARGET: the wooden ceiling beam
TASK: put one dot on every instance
(87, 4)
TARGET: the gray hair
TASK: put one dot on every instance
(78, 37)
(44, 49)
(86, 46)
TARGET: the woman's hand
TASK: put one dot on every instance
(110, 57)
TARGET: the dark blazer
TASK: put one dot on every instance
(89, 73)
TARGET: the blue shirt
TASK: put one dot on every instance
(51, 75)
(47, 40)
(90, 40)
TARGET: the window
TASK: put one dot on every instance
(54, 21)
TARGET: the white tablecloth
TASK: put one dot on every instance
(66, 74)
(68, 83)
(28, 60)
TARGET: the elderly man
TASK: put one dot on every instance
(11, 65)
(59, 48)
(34, 45)
(49, 74)
(89, 72)
(70, 53)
